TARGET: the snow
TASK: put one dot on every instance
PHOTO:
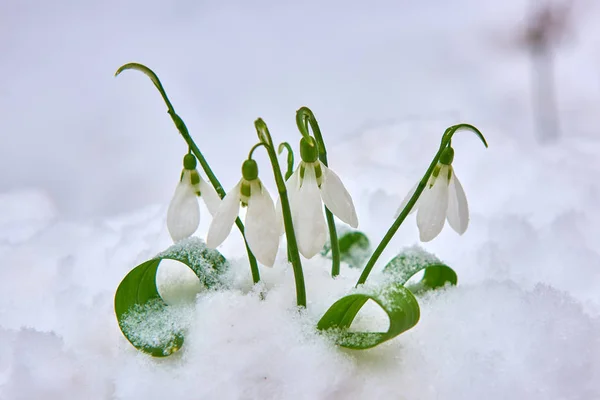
(522, 323)
(384, 80)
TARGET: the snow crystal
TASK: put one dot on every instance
(411, 259)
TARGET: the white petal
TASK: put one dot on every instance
(279, 216)
(292, 188)
(432, 209)
(407, 198)
(224, 218)
(458, 208)
(307, 215)
(210, 196)
(293, 185)
(262, 230)
(336, 197)
(183, 215)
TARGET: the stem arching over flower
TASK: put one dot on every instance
(182, 128)
(447, 137)
(309, 187)
(304, 118)
(410, 204)
(443, 198)
(293, 253)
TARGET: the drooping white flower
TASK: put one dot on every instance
(443, 198)
(183, 215)
(261, 231)
(311, 185)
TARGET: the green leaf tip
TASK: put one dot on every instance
(153, 77)
(145, 319)
(398, 303)
(142, 68)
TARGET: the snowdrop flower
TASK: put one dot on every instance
(183, 216)
(311, 185)
(262, 233)
(443, 198)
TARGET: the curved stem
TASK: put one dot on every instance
(446, 138)
(217, 185)
(394, 228)
(304, 115)
(293, 253)
(182, 128)
(290, 158)
(256, 146)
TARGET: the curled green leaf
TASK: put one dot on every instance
(414, 259)
(144, 317)
(354, 246)
(398, 303)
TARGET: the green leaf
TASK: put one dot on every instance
(394, 298)
(398, 303)
(154, 78)
(144, 318)
(414, 259)
(355, 248)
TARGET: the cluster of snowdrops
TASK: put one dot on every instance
(309, 195)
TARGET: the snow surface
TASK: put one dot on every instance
(524, 320)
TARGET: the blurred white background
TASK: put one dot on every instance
(89, 162)
(101, 146)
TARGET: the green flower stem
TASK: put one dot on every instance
(293, 253)
(182, 128)
(217, 185)
(446, 138)
(304, 115)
